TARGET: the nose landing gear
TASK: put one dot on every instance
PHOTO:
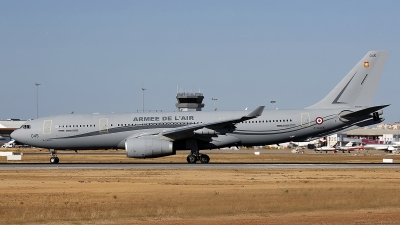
(54, 158)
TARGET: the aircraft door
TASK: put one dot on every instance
(103, 125)
(305, 119)
(47, 126)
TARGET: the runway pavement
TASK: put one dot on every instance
(164, 166)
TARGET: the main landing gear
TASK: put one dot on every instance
(195, 155)
(193, 158)
(54, 158)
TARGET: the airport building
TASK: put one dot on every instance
(383, 134)
(7, 127)
(374, 135)
(189, 101)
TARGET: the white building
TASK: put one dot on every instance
(7, 127)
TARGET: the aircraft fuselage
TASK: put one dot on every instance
(109, 131)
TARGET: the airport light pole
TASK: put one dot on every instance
(214, 99)
(272, 103)
(37, 100)
(143, 89)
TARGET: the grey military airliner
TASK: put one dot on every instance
(156, 134)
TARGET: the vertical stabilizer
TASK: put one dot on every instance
(358, 87)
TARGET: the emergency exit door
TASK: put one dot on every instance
(47, 126)
(103, 125)
(305, 119)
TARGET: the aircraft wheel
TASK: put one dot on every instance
(54, 160)
(204, 158)
(191, 159)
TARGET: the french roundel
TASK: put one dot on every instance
(319, 120)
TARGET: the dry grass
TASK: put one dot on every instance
(256, 196)
(96, 196)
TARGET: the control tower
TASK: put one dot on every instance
(189, 101)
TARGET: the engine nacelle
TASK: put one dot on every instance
(205, 130)
(148, 148)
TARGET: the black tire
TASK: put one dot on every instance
(53, 160)
(57, 160)
(204, 158)
(191, 159)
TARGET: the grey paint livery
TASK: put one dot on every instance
(143, 135)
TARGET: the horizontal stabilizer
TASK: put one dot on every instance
(363, 112)
(344, 129)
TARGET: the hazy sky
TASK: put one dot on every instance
(94, 56)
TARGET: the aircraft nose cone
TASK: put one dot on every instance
(16, 135)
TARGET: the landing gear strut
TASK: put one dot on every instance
(54, 158)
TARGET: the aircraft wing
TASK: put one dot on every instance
(188, 131)
(381, 146)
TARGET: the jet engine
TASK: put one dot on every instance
(148, 148)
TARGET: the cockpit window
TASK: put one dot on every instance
(26, 126)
